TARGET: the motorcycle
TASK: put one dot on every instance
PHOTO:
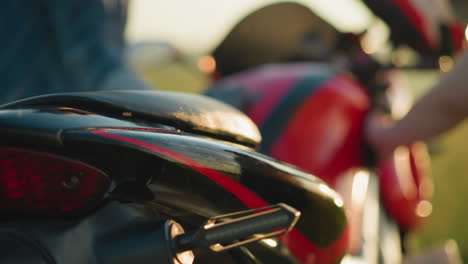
(118, 176)
(309, 89)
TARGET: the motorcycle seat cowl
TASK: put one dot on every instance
(188, 112)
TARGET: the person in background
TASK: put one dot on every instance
(51, 46)
(442, 108)
(431, 28)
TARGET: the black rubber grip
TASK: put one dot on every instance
(246, 227)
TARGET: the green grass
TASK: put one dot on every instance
(450, 175)
(175, 77)
(450, 202)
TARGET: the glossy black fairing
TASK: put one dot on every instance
(186, 179)
(184, 176)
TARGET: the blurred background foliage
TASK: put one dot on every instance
(450, 203)
(461, 8)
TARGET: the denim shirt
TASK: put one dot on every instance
(51, 46)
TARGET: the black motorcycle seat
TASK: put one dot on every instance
(187, 112)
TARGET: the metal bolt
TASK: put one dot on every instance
(72, 182)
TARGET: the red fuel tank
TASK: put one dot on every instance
(309, 114)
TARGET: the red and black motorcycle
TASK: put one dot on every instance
(117, 176)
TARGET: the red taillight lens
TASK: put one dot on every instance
(34, 182)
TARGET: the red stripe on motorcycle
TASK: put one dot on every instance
(273, 89)
(308, 253)
(299, 245)
(245, 195)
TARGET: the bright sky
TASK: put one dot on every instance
(198, 25)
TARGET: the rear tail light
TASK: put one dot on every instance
(34, 182)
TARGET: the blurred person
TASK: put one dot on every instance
(51, 46)
(442, 108)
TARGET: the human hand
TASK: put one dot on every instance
(378, 134)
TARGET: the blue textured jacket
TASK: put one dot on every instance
(50, 46)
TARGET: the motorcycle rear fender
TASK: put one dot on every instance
(233, 176)
(209, 177)
(237, 177)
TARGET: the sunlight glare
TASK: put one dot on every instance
(466, 33)
(270, 242)
(197, 26)
(359, 189)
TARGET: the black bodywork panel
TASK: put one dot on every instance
(141, 159)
